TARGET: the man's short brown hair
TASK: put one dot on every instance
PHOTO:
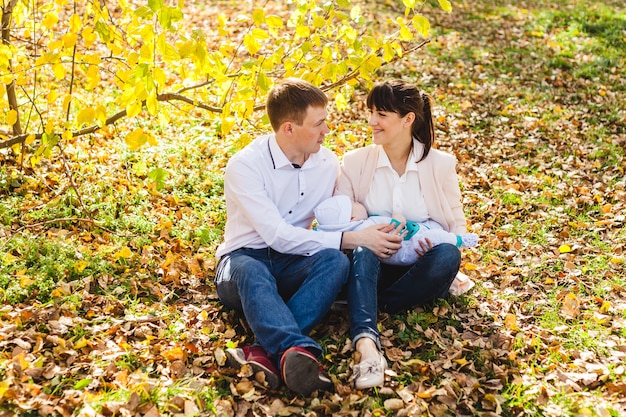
(290, 99)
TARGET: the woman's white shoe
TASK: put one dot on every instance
(370, 372)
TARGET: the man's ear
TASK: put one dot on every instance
(287, 128)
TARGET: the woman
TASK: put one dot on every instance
(399, 173)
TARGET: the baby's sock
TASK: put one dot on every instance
(467, 240)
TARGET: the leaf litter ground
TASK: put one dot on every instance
(529, 99)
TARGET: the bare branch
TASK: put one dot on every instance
(117, 116)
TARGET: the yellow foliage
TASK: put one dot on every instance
(50, 20)
(136, 139)
(75, 23)
(421, 24)
(275, 22)
(302, 32)
(133, 108)
(89, 37)
(85, 116)
(59, 71)
(125, 253)
(80, 266)
(565, 249)
(11, 117)
(445, 5)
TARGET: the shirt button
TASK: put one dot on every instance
(289, 211)
(301, 193)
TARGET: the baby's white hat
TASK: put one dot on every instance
(334, 213)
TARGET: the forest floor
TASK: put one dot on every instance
(120, 316)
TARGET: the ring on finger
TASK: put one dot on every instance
(387, 251)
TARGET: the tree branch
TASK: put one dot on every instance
(112, 119)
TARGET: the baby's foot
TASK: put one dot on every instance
(468, 240)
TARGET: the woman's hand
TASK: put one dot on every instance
(423, 246)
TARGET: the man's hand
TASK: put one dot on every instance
(382, 239)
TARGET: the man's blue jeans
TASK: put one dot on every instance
(283, 296)
(374, 286)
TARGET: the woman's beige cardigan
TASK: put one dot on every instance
(437, 175)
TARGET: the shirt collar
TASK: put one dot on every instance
(416, 152)
(279, 159)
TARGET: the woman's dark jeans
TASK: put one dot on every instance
(374, 286)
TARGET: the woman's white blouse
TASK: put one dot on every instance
(391, 193)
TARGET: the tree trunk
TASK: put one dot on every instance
(7, 12)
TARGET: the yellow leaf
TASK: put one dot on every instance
(422, 25)
(605, 307)
(66, 105)
(152, 140)
(405, 34)
(93, 78)
(25, 281)
(59, 71)
(227, 124)
(445, 5)
(125, 253)
(340, 102)
(8, 258)
(616, 261)
(134, 108)
(159, 76)
(52, 96)
(251, 44)
(85, 116)
(11, 117)
(136, 139)
(258, 15)
(152, 104)
(176, 353)
(469, 266)
(388, 52)
(510, 321)
(4, 386)
(75, 23)
(303, 31)
(260, 34)
(80, 266)
(274, 22)
(57, 292)
(81, 343)
(69, 40)
(89, 37)
(50, 20)
(565, 249)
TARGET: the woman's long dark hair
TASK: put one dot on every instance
(399, 97)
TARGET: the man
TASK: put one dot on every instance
(283, 275)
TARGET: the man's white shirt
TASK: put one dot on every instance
(269, 202)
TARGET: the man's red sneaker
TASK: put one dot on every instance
(258, 359)
(302, 372)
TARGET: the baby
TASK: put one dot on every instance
(339, 213)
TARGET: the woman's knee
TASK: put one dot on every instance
(363, 253)
(449, 255)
